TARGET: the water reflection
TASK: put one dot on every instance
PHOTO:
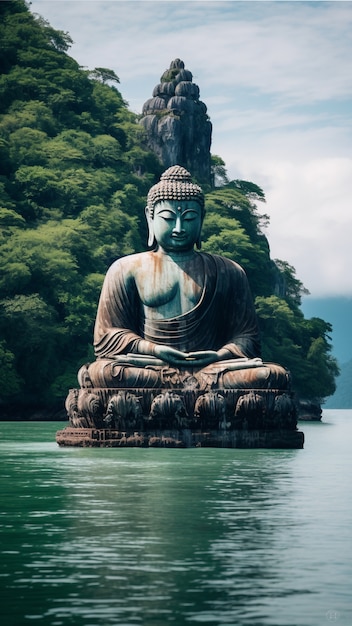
(130, 537)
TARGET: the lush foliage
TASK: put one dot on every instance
(74, 174)
(342, 398)
(234, 228)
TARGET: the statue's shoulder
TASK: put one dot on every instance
(129, 265)
(222, 262)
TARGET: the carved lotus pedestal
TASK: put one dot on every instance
(240, 418)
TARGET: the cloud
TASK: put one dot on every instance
(277, 80)
(262, 45)
(290, 50)
(311, 221)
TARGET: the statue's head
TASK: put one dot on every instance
(175, 210)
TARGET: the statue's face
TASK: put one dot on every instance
(177, 224)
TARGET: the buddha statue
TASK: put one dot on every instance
(173, 323)
(174, 313)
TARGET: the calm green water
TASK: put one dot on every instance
(186, 537)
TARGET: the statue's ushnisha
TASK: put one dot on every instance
(175, 320)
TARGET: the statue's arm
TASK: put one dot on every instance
(116, 329)
(118, 322)
(237, 315)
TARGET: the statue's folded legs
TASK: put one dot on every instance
(232, 374)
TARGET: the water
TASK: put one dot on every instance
(130, 537)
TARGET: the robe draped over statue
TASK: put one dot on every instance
(224, 317)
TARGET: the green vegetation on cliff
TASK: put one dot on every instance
(342, 398)
(74, 174)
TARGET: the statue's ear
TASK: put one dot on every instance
(199, 240)
(151, 238)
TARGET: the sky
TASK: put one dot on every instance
(277, 81)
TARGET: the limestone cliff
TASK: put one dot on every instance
(177, 126)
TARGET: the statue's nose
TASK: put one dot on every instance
(178, 228)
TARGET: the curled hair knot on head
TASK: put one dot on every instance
(175, 184)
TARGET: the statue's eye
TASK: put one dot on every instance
(189, 216)
(168, 216)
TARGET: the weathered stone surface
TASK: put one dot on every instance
(99, 438)
(161, 417)
(177, 345)
(188, 90)
(180, 103)
(180, 131)
(154, 104)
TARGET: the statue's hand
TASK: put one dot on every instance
(170, 355)
(202, 358)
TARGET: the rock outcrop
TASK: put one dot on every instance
(177, 126)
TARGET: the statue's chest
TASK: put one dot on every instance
(168, 291)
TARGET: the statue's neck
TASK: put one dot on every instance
(186, 255)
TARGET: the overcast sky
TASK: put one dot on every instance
(277, 80)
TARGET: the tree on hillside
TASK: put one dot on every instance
(74, 176)
(70, 199)
(234, 228)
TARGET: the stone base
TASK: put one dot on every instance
(186, 438)
(185, 418)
